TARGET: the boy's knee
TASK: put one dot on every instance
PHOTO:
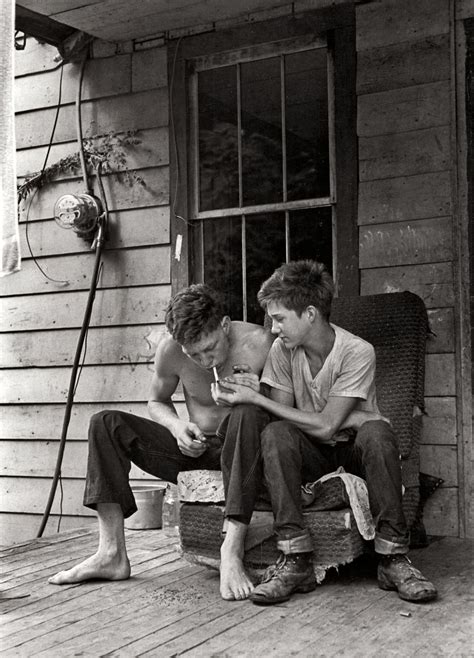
(249, 411)
(97, 420)
(275, 437)
(105, 419)
(377, 436)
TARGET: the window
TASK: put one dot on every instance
(262, 163)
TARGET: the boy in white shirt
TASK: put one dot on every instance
(322, 380)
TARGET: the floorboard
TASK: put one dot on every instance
(171, 608)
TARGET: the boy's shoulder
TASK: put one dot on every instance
(167, 349)
(252, 333)
(348, 340)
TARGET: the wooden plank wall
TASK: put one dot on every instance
(406, 203)
(40, 318)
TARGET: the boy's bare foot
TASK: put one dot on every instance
(96, 566)
(235, 584)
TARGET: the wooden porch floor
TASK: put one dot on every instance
(171, 608)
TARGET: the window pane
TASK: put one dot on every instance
(223, 261)
(261, 132)
(218, 155)
(311, 235)
(307, 124)
(265, 241)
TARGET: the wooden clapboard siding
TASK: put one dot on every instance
(149, 70)
(395, 66)
(439, 421)
(103, 77)
(41, 319)
(120, 194)
(406, 204)
(399, 21)
(404, 243)
(405, 198)
(97, 383)
(403, 110)
(440, 375)
(123, 267)
(433, 282)
(123, 344)
(16, 496)
(32, 458)
(44, 421)
(151, 151)
(403, 154)
(143, 110)
(41, 58)
(441, 321)
(112, 306)
(127, 228)
(441, 512)
(440, 461)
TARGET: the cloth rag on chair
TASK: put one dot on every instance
(357, 493)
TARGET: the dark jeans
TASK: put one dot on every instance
(291, 458)
(241, 460)
(116, 439)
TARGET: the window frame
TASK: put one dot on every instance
(336, 24)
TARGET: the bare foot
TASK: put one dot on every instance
(235, 584)
(97, 566)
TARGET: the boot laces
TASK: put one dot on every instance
(274, 569)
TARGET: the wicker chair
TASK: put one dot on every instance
(396, 325)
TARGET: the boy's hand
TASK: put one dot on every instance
(243, 375)
(190, 439)
(232, 393)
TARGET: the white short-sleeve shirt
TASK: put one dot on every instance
(348, 371)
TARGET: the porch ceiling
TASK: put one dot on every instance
(119, 20)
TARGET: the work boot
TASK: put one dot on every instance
(396, 572)
(291, 573)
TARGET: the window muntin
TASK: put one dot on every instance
(248, 248)
(261, 138)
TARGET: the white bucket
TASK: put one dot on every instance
(149, 500)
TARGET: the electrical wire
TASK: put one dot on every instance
(32, 196)
(61, 500)
(99, 242)
(27, 238)
(84, 354)
(79, 126)
(72, 382)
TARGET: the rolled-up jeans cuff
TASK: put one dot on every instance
(388, 547)
(299, 544)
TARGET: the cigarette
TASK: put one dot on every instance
(216, 376)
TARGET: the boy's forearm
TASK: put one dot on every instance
(357, 418)
(163, 413)
(312, 423)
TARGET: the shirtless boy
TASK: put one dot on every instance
(200, 338)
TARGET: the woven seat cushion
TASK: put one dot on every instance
(334, 534)
(206, 486)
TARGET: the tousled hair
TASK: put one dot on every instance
(297, 285)
(194, 312)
